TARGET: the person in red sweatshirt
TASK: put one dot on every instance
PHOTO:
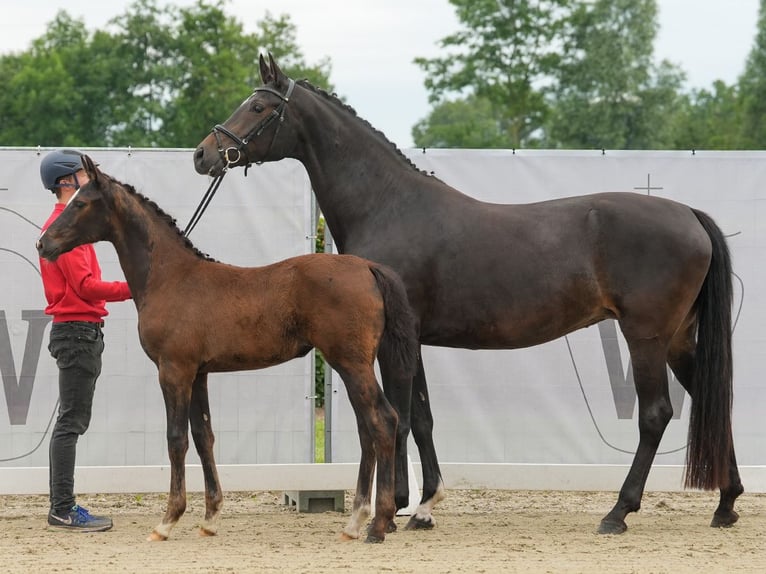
(76, 298)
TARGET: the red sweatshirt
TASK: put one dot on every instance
(73, 285)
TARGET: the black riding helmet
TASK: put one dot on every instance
(58, 164)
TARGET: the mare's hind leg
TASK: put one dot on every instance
(681, 361)
(176, 390)
(422, 431)
(399, 394)
(202, 433)
(654, 413)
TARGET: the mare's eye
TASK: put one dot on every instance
(78, 204)
(258, 107)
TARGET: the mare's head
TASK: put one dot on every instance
(254, 132)
(85, 219)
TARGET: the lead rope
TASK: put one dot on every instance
(204, 203)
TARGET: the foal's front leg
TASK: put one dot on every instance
(202, 433)
(176, 391)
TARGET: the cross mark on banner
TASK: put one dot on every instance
(648, 187)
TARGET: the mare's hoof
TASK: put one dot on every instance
(612, 527)
(156, 537)
(724, 520)
(206, 532)
(416, 523)
(372, 539)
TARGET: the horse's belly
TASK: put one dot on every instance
(512, 320)
(504, 334)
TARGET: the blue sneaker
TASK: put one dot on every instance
(78, 519)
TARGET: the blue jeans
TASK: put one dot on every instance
(77, 347)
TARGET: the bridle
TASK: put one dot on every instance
(233, 154)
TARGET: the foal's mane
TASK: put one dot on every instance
(334, 99)
(152, 205)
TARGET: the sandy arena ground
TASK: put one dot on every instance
(477, 531)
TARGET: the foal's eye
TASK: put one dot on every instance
(78, 204)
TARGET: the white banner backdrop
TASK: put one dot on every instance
(499, 415)
(258, 416)
(571, 401)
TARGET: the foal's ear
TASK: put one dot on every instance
(90, 167)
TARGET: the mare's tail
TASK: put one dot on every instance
(710, 447)
(400, 334)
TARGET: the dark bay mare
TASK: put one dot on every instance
(198, 316)
(489, 276)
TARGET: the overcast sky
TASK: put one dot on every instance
(372, 43)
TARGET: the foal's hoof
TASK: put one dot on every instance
(205, 532)
(343, 537)
(612, 526)
(390, 527)
(156, 537)
(416, 523)
(724, 520)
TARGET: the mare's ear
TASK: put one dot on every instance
(265, 69)
(279, 79)
(270, 72)
(90, 168)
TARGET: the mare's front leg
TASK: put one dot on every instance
(654, 414)
(422, 431)
(176, 390)
(202, 434)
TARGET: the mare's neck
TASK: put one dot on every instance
(354, 170)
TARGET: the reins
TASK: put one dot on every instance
(204, 202)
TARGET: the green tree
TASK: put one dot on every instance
(154, 77)
(57, 92)
(708, 119)
(609, 93)
(504, 57)
(467, 123)
(752, 90)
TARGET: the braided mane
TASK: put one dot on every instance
(162, 215)
(337, 101)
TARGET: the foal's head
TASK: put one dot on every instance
(86, 218)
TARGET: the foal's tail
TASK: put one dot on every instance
(400, 333)
(710, 447)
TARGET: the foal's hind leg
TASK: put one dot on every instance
(376, 421)
(202, 433)
(654, 413)
(681, 361)
(361, 506)
(422, 431)
(399, 394)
